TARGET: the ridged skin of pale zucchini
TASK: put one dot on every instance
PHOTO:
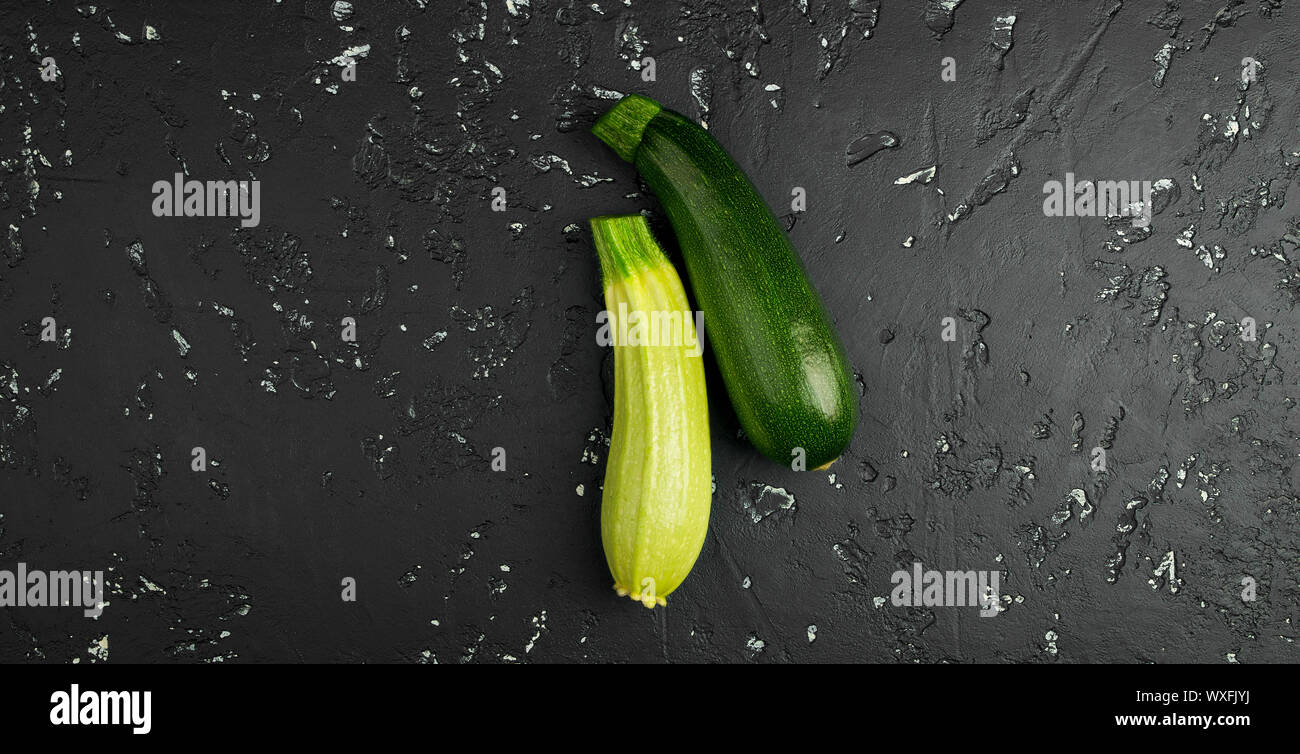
(781, 359)
(654, 510)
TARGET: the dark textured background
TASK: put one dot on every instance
(476, 329)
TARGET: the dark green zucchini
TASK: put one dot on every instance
(780, 357)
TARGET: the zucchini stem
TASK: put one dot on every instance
(625, 245)
(622, 127)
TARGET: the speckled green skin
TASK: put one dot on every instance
(780, 357)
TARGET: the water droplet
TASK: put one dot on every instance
(864, 146)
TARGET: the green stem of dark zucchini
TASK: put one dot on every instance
(621, 128)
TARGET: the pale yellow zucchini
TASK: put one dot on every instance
(655, 507)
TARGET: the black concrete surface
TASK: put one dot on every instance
(372, 460)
